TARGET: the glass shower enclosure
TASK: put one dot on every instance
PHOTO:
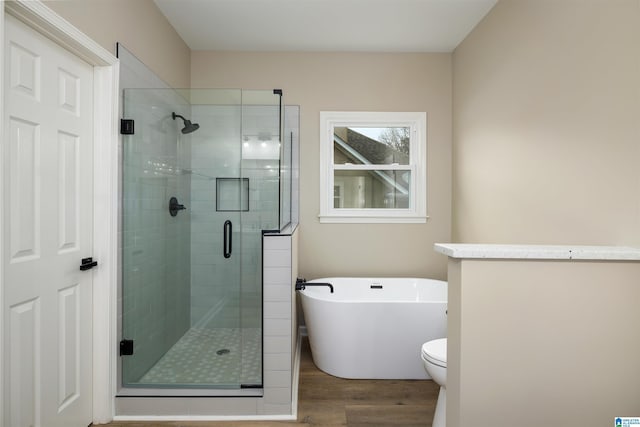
(204, 173)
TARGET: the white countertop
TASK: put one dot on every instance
(484, 251)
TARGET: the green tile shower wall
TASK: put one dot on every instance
(228, 290)
(156, 247)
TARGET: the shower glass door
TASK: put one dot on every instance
(200, 183)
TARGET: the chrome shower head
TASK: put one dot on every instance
(188, 126)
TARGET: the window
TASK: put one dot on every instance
(373, 167)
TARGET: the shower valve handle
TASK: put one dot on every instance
(174, 206)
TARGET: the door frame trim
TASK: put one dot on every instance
(38, 16)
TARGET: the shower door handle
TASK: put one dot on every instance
(226, 240)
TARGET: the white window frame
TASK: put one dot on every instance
(417, 123)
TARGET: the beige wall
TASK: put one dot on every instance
(354, 82)
(546, 149)
(547, 124)
(139, 26)
(542, 343)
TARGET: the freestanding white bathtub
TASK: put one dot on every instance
(373, 328)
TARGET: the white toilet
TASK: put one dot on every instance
(434, 359)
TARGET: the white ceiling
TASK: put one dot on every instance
(324, 25)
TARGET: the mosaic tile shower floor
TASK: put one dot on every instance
(206, 356)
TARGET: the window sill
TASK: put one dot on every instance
(335, 219)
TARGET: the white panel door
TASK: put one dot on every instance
(48, 167)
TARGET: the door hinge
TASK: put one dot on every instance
(87, 264)
(127, 126)
(126, 347)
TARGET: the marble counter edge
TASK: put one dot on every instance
(532, 252)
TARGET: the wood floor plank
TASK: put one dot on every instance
(400, 392)
(387, 415)
(325, 412)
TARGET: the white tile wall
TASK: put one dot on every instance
(276, 275)
(275, 292)
(275, 344)
(278, 395)
(279, 321)
(277, 361)
(278, 327)
(277, 258)
(273, 409)
(277, 310)
(278, 378)
(176, 406)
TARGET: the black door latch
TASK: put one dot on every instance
(87, 264)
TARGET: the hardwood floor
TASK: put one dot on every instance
(324, 400)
